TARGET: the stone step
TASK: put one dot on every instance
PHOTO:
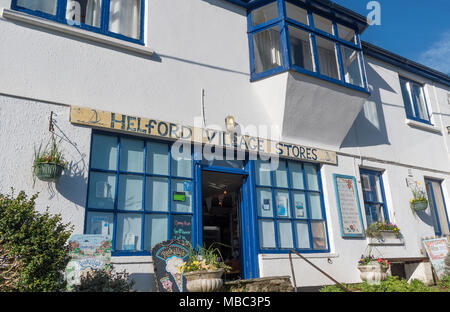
(262, 284)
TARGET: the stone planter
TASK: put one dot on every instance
(419, 205)
(373, 273)
(204, 281)
(48, 172)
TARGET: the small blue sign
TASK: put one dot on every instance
(187, 186)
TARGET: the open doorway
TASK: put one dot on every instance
(221, 202)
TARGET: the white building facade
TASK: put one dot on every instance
(124, 80)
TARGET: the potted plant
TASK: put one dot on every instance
(375, 230)
(373, 270)
(419, 202)
(203, 270)
(48, 162)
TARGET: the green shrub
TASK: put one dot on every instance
(37, 240)
(103, 281)
(444, 282)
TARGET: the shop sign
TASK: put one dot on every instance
(437, 250)
(173, 131)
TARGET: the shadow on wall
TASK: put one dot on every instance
(143, 282)
(369, 128)
(425, 217)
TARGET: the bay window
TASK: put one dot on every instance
(122, 19)
(286, 35)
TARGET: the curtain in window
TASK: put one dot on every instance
(301, 53)
(267, 49)
(46, 6)
(124, 17)
(327, 62)
(84, 11)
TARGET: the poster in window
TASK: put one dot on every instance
(282, 206)
(181, 228)
(348, 206)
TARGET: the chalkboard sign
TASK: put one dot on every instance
(348, 206)
(181, 227)
(168, 256)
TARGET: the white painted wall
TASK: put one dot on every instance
(204, 45)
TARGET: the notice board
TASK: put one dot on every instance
(348, 206)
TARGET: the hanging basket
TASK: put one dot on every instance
(48, 172)
(419, 205)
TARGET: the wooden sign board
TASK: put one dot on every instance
(348, 206)
(168, 256)
(437, 250)
(173, 131)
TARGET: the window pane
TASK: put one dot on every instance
(124, 17)
(45, 6)
(346, 33)
(296, 13)
(437, 207)
(264, 202)
(99, 223)
(311, 177)
(302, 235)
(131, 155)
(323, 23)
(285, 234)
(374, 213)
(128, 232)
(181, 165)
(299, 204)
(157, 158)
(155, 230)
(101, 190)
(157, 194)
(262, 172)
(104, 152)
(181, 204)
(315, 207)
(319, 236)
(84, 12)
(130, 192)
(327, 57)
(300, 48)
(407, 98)
(181, 227)
(352, 69)
(296, 172)
(280, 174)
(267, 51)
(282, 202)
(265, 13)
(266, 234)
(417, 92)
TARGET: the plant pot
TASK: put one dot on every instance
(48, 172)
(373, 273)
(419, 205)
(204, 281)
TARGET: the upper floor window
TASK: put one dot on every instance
(285, 36)
(122, 19)
(414, 100)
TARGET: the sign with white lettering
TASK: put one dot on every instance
(348, 206)
(437, 250)
(172, 131)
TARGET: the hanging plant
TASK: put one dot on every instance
(419, 202)
(49, 162)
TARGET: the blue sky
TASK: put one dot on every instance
(416, 29)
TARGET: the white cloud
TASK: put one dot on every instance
(437, 56)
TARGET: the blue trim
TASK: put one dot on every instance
(374, 173)
(60, 17)
(438, 221)
(411, 92)
(335, 176)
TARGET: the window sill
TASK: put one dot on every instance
(325, 255)
(387, 239)
(75, 32)
(422, 126)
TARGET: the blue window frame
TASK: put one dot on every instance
(286, 35)
(438, 208)
(121, 19)
(414, 100)
(289, 207)
(131, 188)
(374, 198)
